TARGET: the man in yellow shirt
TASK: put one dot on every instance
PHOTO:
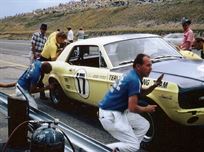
(51, 49)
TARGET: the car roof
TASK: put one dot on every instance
(113, 38)
(173, 34)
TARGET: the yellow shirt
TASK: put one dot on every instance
(51, 47)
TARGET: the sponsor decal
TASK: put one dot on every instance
(99, 77)
(146, 82)
(81, 83)
(113, 77)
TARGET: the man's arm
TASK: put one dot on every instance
(57, 54)
(186, 45)
(134, 107)
(5, 85)
(35, 89)
(147, 91)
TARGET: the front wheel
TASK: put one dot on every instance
(160, 128)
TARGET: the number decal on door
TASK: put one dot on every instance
(81, 83)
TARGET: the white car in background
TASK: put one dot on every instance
(174, 38)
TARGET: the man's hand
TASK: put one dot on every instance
(150, 108)
(50, 86)
(36, 55)
(159, 80)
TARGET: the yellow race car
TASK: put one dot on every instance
(86, 69)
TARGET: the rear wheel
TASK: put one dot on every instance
(57, 94)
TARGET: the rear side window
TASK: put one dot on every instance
(86, 55)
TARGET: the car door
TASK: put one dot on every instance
(89, 74)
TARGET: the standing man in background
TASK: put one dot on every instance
(80, 34)
(188, 35)
(70, 35)
(38, 41)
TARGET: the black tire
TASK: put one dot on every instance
(160, 131)
(57, 94)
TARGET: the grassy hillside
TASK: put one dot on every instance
(154, 18)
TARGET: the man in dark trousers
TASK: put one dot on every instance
(38, 41)
(119, 109)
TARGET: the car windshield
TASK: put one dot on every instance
(124, 52)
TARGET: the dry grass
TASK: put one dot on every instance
(152, 18)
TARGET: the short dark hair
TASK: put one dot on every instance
(62, 35)
(46, 67)
(185, 21)
(139, 59)
(69, 27)
(43, 26)
(199, 39)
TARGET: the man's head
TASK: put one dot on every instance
(43, 28)
(61, 37)
(46, 68)
(143, 65)
(198, 43)
(69, 28)
(185, 23)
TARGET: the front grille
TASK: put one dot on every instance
(191, 98)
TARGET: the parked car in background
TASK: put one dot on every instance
(174, 38)
(87, 69)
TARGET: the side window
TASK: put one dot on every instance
(86, 56)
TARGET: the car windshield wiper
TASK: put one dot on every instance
(166, 56)
(159, 58)
(126, 62)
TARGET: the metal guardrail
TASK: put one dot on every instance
(80, 140)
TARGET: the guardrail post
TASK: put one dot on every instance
(18, 112)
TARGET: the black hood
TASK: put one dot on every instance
(185, 73)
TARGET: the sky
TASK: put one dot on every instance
(13, 7)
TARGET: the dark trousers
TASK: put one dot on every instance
(41, 85)
(202, 54)
(44, 59)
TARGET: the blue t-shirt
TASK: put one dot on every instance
(117, 97)
(31, 76)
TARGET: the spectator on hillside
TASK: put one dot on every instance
(188, 34)
(70, 35)
(80, 34)
(52, 49)
(38, 42)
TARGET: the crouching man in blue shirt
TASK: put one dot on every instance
(30, 79)
(119, 110)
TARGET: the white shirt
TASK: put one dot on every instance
(70, 35)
